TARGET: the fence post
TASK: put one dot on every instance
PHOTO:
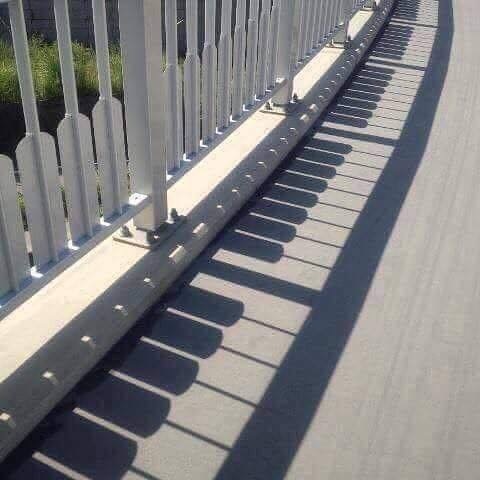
(142, 50)
(370, 4)
(341, 37)
(287, 49)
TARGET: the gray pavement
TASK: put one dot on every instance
(331, 332)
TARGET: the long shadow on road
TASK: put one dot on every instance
(268, 444)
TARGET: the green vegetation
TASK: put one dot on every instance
(46, 70)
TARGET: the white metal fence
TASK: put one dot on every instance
(175, 111)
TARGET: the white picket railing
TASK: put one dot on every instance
(174, 114)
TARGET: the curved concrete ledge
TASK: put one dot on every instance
(57, 336)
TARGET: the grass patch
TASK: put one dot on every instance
(46, 70)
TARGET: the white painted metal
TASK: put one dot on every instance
(324, 21)
(311, 25)
(330, 14)
(252, 53)
(14, 264)
(173, 102)
(333, 17)
(302, 38)
(280, 34)
(273, 44)
(108, 125)
(75, 141)
(137, 203)
(142, 52)
(239, 46)
(263, 41)
(333, 13)
(37, 159)
(191, 74)
(318, 28)
(224, 86)
(180, 117)
(345, 12)
(342, 8)
(338, 12)
(289, 19)
(209, 75)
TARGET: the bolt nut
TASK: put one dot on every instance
(125, 232)
(86, 340)
(7, 420)
(174, 215)
(50, 376)
(151, 237)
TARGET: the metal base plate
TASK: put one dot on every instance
(283, 110)
(150, 240)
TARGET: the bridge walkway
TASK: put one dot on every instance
(332, 331)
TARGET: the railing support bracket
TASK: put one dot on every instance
(341, 40)
(288, 109)
(150, 239)
(370, 5)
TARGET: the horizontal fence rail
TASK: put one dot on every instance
(80, 186)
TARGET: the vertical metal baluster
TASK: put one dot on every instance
(319, 32)
(325, 20)
(174, 153)
(301, 24)
(273, 44)
(239, 45)
(107, 118)
(37, 159)
(14, 265)
(263, 45)
(330, 19)
(225, 66)
(307, 5)
(209, 74)
(75, 140)
(344, 20)
(252, 53)
(191, 73)
(333, 17)
(338, 12)
(311, 25)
